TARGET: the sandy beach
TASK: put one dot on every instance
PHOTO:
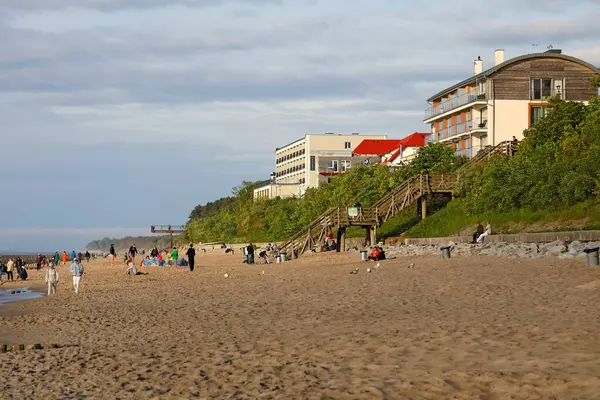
(469, 328)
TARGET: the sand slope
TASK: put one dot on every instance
(472, 328)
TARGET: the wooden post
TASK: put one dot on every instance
(368, 241)
(373, 235)
(339, 240)
(423, 207)
(342, 242)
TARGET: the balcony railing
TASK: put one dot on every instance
(545, 94)
(458, 129)
(469, 152)
(456, 102)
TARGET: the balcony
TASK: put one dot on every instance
(455, 102)
(473, 125)
(545, 94)
(469, 152)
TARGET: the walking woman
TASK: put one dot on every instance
(52, 279)
(77, 272)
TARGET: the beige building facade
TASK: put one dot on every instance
(501, 102)
(297, 163)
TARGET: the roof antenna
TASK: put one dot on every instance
(550, 47)
(533, 47)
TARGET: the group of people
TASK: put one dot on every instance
(262, 253)
(480, 233)
(9, 268)
(377, 254)
(52, 276)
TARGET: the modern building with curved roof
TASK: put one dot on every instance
(501, 102)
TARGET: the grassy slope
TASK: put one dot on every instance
(452, 220)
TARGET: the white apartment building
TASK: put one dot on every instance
(501, 102)
(297, 163)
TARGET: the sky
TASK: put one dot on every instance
(119, 114)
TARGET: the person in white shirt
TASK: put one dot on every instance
(52, 279)
(10, 266)
(487, 232)
(77, 272)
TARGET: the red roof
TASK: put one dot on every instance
(376, 147)
(381, 147)
(416, 139)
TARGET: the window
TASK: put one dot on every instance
(346, 165)
(332, 165)
(347, 145)
(541, 88)
(536, 113)
(312, 163)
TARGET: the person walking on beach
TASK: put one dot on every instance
(191, 253)
(38, 262)
(52, 279)
(113, 254)
(73, 255)
(10, 266)
(77, 272)
(250, 253)
(174, 255)
(132, 252)
(56, 258)
(64, 258)
(87, 256)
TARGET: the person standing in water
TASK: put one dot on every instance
(191, 253)
(77, 272)
(52, 278)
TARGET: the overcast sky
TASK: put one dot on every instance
(119, 114)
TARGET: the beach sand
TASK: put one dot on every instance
(469, 328)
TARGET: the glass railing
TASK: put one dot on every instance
(455, 102)
(546, 94)
(469, 152)
(458, 129)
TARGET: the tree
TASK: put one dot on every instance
(437, 158)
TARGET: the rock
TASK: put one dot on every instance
(3, 348)
(553, 248)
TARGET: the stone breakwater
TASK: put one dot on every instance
(525, 250)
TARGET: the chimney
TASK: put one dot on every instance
(478, 66)
(499, 56)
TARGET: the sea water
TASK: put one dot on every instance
(18, 294)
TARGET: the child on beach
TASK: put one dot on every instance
(52, 279)
(131, 269)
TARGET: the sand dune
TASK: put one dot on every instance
(471, 328)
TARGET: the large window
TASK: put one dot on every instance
(536, 113)
(346, 165)
(312, 163)
(544, 88)
(347, 145)
(332, 166)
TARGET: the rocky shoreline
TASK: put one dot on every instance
(523, 250)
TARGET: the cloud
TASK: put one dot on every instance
(107, 106)
(123, 4)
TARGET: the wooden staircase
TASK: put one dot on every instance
(418, 187)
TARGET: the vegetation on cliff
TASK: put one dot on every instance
(555, 174)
